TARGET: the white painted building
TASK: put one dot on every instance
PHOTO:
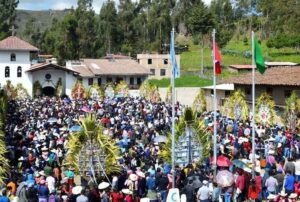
(16, 66)
(15, 61)
(109, 69)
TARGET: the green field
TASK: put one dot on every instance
(233, 53)
(183, 81)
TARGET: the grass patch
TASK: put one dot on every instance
(183, 81)
(191, 60)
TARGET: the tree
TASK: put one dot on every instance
(108, 29)
(201, 20)
(7, 16)
(86, 29)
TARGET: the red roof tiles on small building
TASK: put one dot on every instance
(277, 76)
(15, 43)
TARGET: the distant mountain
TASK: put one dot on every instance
(40, 19)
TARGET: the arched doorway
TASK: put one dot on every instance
(48, 91)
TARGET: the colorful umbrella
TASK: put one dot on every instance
(224, 178)
(223, 161)
(238, 163)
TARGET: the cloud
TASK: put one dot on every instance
(62, 5)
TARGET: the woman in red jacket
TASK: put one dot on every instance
(253, 191)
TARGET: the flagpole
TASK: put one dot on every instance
(253, 105)
(173, 115)
(215, 106)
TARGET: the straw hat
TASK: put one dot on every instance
(126, 191)
(103, 185)
(282, 193)
(77, 190)
(293, 195)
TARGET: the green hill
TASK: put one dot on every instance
(41, 19)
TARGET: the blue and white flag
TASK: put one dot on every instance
(175, 67)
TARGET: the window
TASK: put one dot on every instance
(165, 61)
(91, 81)
(119, 79)
(269, 91)
(19, 72)
(7, 71)
(247, 91)
(48, 76)
(149, 61)
(152, 71)
(99, 82)
(109, 80)
(227, 93)
(163, 72)
(139, 81)
(12, 57)
(131, 81)
(287, 93)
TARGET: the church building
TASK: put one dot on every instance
(17, 66)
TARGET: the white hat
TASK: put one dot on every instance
(293, 195)
(248, 170)
(77, 190)
(271, 139)
(271, 152)
(205, 182)
(282, 193)
(44, 149)
(226, 141)
(21, 158)
(103, 185)
(126, 191)
(279, 145)
(42, 173)
(64, 197)
(210, 124)
(271, 197)
(257, 169)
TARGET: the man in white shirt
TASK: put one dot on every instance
(51, 183)
(203, 193)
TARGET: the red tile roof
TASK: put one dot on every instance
(279, 76)
(241, 67)
(40, 66)
(15, 43)
(113, 67)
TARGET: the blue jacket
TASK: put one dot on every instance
(43, 191)
(289, 183)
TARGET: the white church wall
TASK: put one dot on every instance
(23, 61)
(70, 82)
(55, 75)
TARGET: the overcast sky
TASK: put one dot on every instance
(59, 4)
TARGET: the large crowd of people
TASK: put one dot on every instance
(37, 134)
